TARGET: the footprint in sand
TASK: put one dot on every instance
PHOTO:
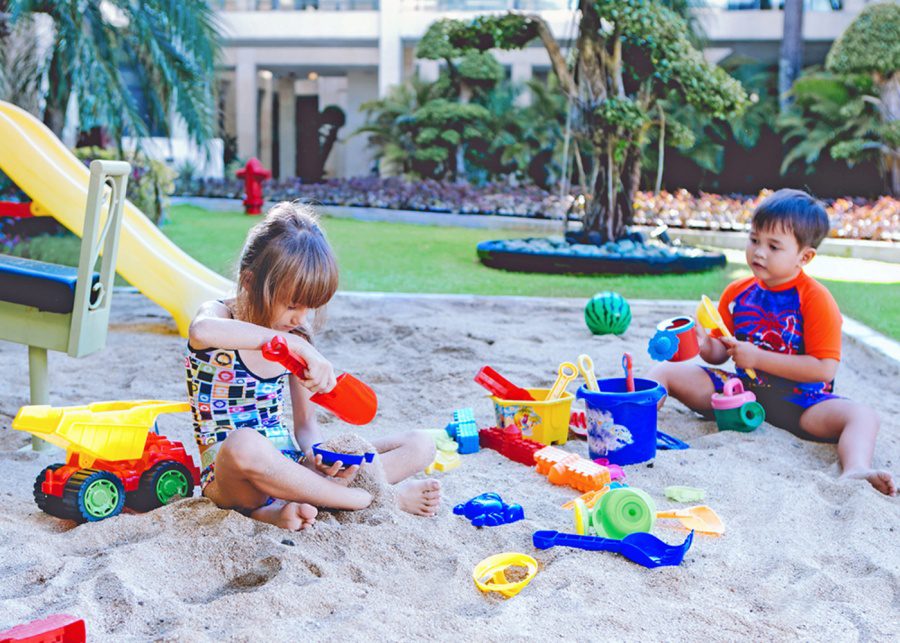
(262, 572)
(116, 600)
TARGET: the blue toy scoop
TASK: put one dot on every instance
(347, 459)
(642, 548)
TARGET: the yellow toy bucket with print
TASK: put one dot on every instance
(544, 422)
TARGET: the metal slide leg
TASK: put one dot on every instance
(38, 378)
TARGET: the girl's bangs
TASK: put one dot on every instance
(310, 281)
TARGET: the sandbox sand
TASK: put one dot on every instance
(804, 557)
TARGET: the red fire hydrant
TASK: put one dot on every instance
(253, 174)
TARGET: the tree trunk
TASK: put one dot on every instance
(890, 112)
(631, 183)
(660, 162)
(895, 174)
(57, 95)
(557, 58)
(791, 59)
(611, 208)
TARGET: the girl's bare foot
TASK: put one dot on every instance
(419, 497)
(883, 481)
(294, 516)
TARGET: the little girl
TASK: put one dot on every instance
(250, 460)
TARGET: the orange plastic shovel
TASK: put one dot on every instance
(351, 400)
(709, 317)
(700, 518)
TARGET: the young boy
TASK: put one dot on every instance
(787, 328)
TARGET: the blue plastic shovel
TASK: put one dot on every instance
(642, 548)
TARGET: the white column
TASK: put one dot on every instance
(230, 102)
(245, 109)
(362, 86)
(520, 73)
(287, 127)
(265, 118)
(854, 6)
(390, 47)
(429, 70)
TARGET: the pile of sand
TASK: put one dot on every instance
(804, 556)
(369, 477)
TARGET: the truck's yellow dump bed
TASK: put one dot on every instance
(103, 430)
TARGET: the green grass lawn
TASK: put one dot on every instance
(398, 257)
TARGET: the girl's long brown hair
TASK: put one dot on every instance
(286, 260)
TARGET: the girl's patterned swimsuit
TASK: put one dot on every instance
(226, 395)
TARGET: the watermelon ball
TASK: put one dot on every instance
(607, 312)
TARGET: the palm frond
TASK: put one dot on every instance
(169, 47)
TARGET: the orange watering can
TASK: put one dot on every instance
(351, 400)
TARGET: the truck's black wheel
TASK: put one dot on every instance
(52, 505)
(92, 495)
(161, 484)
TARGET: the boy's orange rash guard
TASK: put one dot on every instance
(797, 318)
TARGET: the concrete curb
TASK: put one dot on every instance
(847, 248)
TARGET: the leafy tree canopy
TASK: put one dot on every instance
(631, 55)
(870, 43)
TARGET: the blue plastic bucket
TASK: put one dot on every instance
(629, 435)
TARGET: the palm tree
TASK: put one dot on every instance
(166, 49)
(22, 62)
(387, 122)
(790, 62)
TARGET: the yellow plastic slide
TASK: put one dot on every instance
(38, 162)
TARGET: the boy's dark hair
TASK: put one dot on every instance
(797, 212)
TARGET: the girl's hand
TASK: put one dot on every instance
(335, 471)
(320, 377)
(744, 354)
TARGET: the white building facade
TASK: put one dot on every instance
(286, 60)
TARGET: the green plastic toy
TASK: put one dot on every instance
(607, 313)
(736, 409)
(685, 494)
(619, 512)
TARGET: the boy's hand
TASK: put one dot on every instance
(744, 354)
(336, 472)
(320, 377)
(712, 350)
(702, 335)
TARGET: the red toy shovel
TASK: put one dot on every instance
(500, 386)
(350, 399)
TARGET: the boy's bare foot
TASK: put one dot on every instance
(419, 497)
(883, 481)
(294, 516)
